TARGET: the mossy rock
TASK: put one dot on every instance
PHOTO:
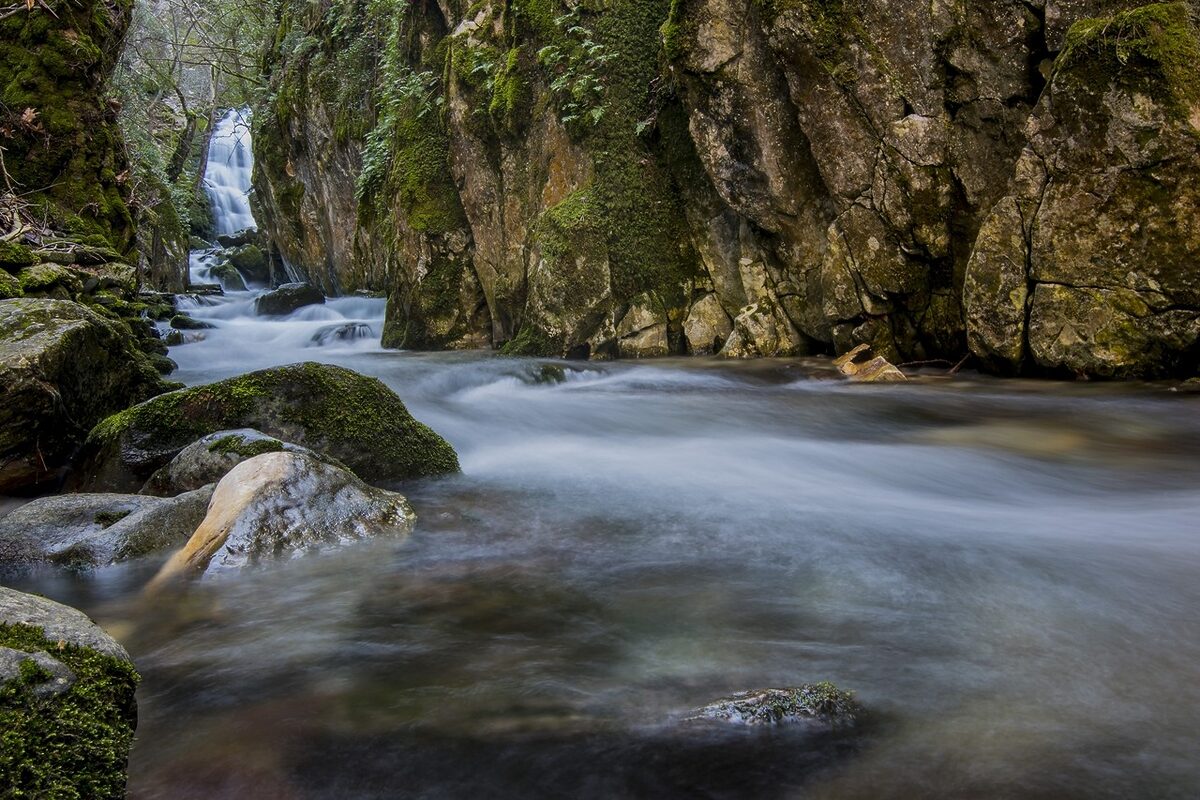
(10, 287)
(251, 261)
(331, 410)
(63, 368)
(50, 279)
(14, 256)
(67, 709)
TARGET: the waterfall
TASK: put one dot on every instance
(227, 176)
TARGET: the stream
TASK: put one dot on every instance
(1007, 573)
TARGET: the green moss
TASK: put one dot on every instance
(13, 256)
(237, 445)
(74, 744)
(531, 341)
(328, 409)
(10, 287)
(1157, 43)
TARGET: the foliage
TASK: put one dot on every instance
(576, 62)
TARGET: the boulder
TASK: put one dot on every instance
(642, 333)
(707, 326)
(238, 239)
(328, 409)
(287, 298)
(279, 505)
(208, 459)
(251, 261)
(67, 707)
(10, 286)
(820, 705)
(63, 368)
(91, 530)
(861, 366)
(182, 322)
(229, 276)
(347, 332)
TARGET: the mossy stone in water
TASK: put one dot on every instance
(56, 742)
(328, 409)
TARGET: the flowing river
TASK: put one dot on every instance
(1007, 573)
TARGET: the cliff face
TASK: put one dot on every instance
(62, 147)
(756, 177)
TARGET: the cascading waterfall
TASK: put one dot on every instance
(227, 176)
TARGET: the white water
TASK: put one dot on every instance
(227, 177)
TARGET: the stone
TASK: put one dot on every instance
(331, 410)
(90, 530)
(10, 286)
(287, 298)
(230, 277)
(68, 713)
(250, 261)
(642, 334)
(761, 331)
(209, 458)
(861, 367)
(707, 327)
(237, 239)
(820, 705)
(182, 322)
(63, 368)
(339, 334)
(282, 504)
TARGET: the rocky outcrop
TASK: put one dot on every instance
(59, 132)
(91, 530)
(344, 415)
(63, 368)
(760, 179)
(278, 505)
(67, 705)
(1091, 265)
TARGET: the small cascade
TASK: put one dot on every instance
(227, 176)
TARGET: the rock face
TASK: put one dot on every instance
(209, 458)
(90, 530)
(67, 704)
(288, 298)
(764, 178)
(331, 410)
(278, 505)
(63, 368)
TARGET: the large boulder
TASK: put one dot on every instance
(63, 368)
(251, 262)
(209, 458)
(281, 504)
(89, 530)
(344, 415)
(287, 298)
(67, 708)
(1090, 265)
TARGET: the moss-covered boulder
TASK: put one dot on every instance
(288, 298)
(10, 286)
(251, 262)
(347, 416)
(67, 707)
(63, 368)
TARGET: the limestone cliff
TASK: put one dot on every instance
(755, 177)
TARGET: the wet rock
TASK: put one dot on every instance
(288, 298)
(331, 410)
(51, 280)
(642, 334)
(349, 332)
(10, 286)
(182, 322)
(210, 458)
(229, 276)
(238, 239)
(282, 504)
(68, 713)
(89, 530)
(250, 261)
(820, 705)
(63, 368)
(859, 365)
(762, 331)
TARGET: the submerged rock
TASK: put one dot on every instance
(349, 332)
(67, 707)
(287, 298)
(89, 530)
(210, 458)
(182, 322)
(63, 368)
(344, 415)
(858, 365)
(820, 705)
(278, 505)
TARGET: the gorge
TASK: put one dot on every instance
(607, 251)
